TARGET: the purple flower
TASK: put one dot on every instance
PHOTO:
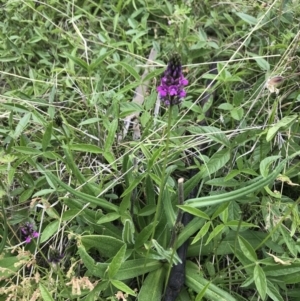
(171, 89)
(28, 232)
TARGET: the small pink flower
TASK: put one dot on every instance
(35, 234)
(28, 232)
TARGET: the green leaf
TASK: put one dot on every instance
(15, 107)
(27, 150)
(285, 121)
(290, 243)
(135, 182)
(45, 293)
(116, 262)
(109, 156)
(150, 191)
(89, 121)
(235, 224)
(238, 97)
(202, 232)
(111, 135)
(47, 137)
(260, 281)
(247, 249)
(43, 192)
(116, 21)
(255, 185)
(136, 267)
(194, 211)
(282, 271)
(152, 287)
(215, 232)
(97, 62)
(156, 72)
(220, 209)
(223, 182)
(123, 287)
(237, 113)
(89, 148)
(273, 292)
(213, 133)
(9, 58)
(127, 108)
(265, 163)
(196, 282)
(107, 246)
(216, 162)
(247, 18)
(130, 70)
(200, 296)
(165, 254)
(26, 194)
(21, 125)
(128, 232)
(109, 217)
(86, 186)
(261, 62)
(70, 214)
(96, 269)
(143, 236)
(225, 106)
(125, 204)
(9, 265)
(127, 88)
(78, 62)
(87, 198)
(49, 230)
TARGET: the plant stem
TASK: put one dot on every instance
(163, 175)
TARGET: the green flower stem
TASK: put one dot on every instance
(178, 223)
(163, 176)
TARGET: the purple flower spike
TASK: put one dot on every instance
(28, 232)
(171, 89)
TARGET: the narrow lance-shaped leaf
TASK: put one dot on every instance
(247, 249)
(265, 163)
(49, 230)
(212, 133)
(45, 293)
(123, 287)
(88, 198)
(236, 194)
(260, 281)
(215, 232)
(202, 232)
(21, 125)
(285, 121)
(111, 135)
(130, 70)
(196, 282)
(47, 137)
(152, 287)
(116, 262)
